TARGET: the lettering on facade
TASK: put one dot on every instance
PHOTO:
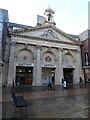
(48, 65)
(25, 64)
(69, 66)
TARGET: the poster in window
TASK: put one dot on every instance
(86, 59)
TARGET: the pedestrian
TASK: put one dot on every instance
(63, 81)
(53, 82)
(80, 82)
(64, 84)
(49, 84)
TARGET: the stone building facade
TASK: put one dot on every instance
(44, 51)
(36, 53)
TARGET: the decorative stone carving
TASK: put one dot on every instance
(50, 33)
(48, 59)
(38, 47)
(61, 49)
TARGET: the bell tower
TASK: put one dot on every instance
(49, 16)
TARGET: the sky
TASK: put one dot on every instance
(71, 16)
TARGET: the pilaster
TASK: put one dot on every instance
(78, 67)
(11, 73)
(38, 67)
(59, 68)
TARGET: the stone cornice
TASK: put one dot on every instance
(43, 39)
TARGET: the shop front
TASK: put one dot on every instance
(46, 73)
(24, 75)
(48, 70)
(68, 75)
(87, 75)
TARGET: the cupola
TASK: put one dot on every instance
(49, 16)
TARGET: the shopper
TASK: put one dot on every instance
(49, 84)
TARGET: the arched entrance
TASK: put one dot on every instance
(24, 67)
(48, 66)
(68, 69)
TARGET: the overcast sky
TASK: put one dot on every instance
(71, 16)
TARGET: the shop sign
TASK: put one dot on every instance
(48, 65)
(24, 64)
(69, 66)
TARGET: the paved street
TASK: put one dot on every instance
(60, 103)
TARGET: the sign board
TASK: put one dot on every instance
(24, 64)
(68, 66)
(48, 65)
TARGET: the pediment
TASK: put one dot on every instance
(49, 32)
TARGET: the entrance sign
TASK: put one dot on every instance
(49, 65)
(25, 64)
(68, 66)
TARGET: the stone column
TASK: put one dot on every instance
(11, 73)
(59, 67)
(77, 72)
(38, 67)
(6, 62)
(34, 74)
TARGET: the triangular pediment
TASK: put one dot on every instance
(49, 32)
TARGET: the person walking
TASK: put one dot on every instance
(53, 82)
(49, 84)
(63, 81)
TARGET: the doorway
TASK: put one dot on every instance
(47, 72)
(24, 75)
(68, 75)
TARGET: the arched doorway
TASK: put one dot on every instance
(24, 67)
(68, 69)
(48, 66)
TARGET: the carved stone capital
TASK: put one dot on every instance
(38, 47)
(68, 51)
(26, 46)
(49, 48)
(13, 43)
(60, 49)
